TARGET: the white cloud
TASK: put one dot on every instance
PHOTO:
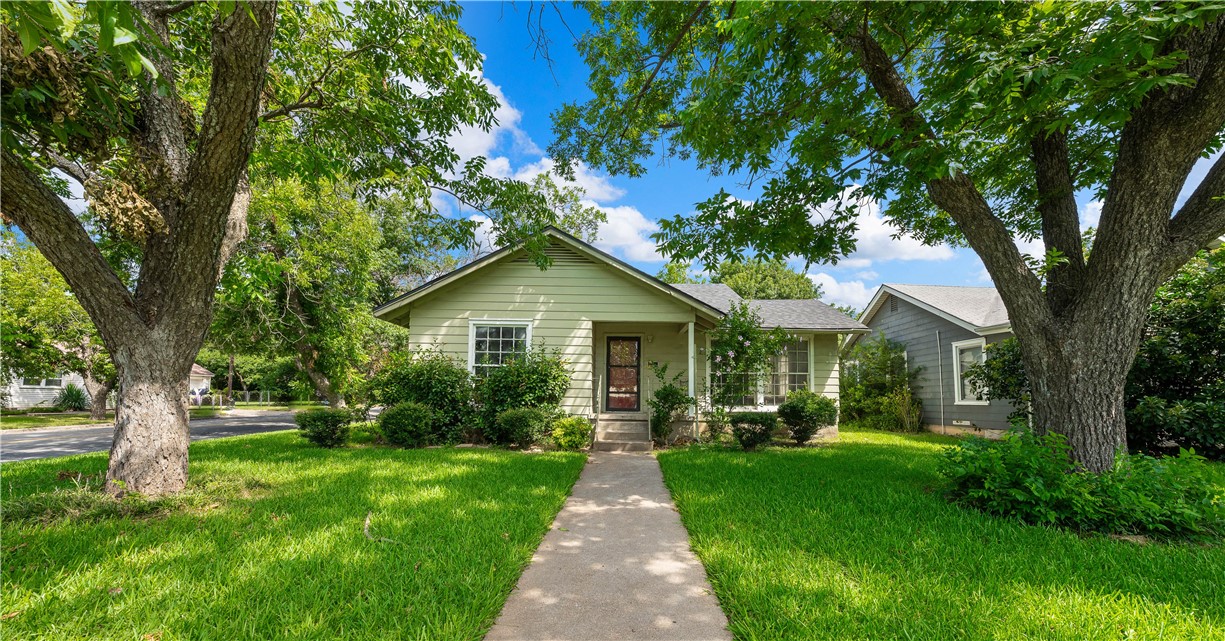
(867, 275)
(597, 186)
(874, 235)
(472, 141)
(854, 292)
(1090, 214)
(1035, 247)
(483, 233)
(626, 232)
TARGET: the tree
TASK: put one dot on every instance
(43, 330)
(160, 109)
(765, 279)
(678, 273)
(977, 122)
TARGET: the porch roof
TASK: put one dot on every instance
(801, 314)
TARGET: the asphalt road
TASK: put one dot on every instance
(21, 445)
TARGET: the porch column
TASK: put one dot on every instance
(693, 377)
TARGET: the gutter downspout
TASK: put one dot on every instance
(940, 368)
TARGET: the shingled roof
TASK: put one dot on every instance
(978, 306)
(790, 314)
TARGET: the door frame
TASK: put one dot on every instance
(608, 371)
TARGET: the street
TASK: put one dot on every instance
(21, 445)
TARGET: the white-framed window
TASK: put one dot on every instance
(42, 382)
(492, 342)
(966, 354)
(788, 373)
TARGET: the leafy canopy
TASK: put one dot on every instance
(774, 94)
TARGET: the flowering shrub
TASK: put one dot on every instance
(740, 354)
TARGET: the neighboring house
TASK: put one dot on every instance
(610, 321)
(200, 382)
(945, 329)
(25, 393)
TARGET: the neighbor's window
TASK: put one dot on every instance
(42, 382)
(789, 373)
(965, 355)
(496, 342)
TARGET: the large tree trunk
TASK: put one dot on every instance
(98, 391)
(306, 361)
(149, 451)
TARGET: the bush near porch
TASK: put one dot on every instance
(854, 541)
(267, 542)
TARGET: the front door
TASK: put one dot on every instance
(624, 373)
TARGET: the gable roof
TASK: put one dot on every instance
(716, 295)
(978, 309)
(198, 370)
(713, 299)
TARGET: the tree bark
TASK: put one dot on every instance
(149, 451)
(98, 391)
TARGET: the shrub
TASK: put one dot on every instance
(524, 426)
(537, 379)
(805, 413)
(717, 423)
(666, 402)
(571, 432)
(409, 424)
(433, 379)
(1199, 425)
(752, 429)
(1032, 478)
(72, 399)
(325, 427)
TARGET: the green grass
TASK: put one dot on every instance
(24, 421)
(267, 543)
(296, 406)
(853, 541)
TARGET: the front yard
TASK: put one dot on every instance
(23, 420)
(851, 541)
(268, 542)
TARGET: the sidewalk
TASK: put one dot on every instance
(616, 565)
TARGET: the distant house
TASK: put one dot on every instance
(945, 330)
(26, 393)
(610, 321)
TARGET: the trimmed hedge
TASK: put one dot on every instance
(752, 429)
(435, 380)
(524, 426)
(806, 412)
(409, 424)
(325, 427)
(571, 433)
(536, 379)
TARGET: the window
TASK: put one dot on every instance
(492, 343)
(790, 372)
(966, 354)
(42, 382)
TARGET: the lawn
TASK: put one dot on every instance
(852, 541)
(69, 419)
(268, 543)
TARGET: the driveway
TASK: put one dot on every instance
(21, 445)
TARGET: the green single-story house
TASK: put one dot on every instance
(609, 321)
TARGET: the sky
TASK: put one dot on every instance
(531, 88)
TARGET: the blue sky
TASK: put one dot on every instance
(531, 89)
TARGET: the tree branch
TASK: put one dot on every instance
(1060, 217)
(46, 220)
(1202, 218)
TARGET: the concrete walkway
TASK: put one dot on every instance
(616, 565)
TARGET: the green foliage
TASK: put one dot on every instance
(324, 427)
(741, 353)
(429, 377)
(876, 387)
(72, 399)
(43, 329)
(752, 429)
(668, 402)
(277, 376)
(765, 279)
(410, 424)
(1032, 478)
(1001, 375)
(571, 432)
(1154, 422)
(805, 413)
(677, 273)
(524, 426)
(539, 379)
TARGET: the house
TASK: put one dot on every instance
(25, 393)
(610, 321)
(200, 381)
(945, 329)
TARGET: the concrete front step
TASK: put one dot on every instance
(622, 446)
(622, 435)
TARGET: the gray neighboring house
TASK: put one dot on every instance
(945, 329)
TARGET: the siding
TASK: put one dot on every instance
(22, 397)
(562, 302)
(916, 328)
